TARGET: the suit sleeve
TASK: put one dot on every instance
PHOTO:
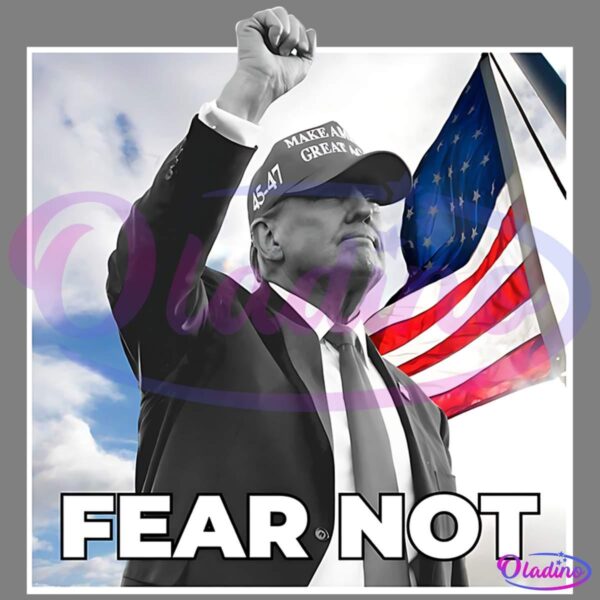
(155, 282)
(459, 569)
(445, 434)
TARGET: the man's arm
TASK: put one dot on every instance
(459, 576)
(166, 240)
(445, 434)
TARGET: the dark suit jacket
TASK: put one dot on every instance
(232, 385)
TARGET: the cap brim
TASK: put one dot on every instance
(384, 175)
(381, 168)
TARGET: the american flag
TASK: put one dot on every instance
(473, 321)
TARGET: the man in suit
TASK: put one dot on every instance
(279, 391)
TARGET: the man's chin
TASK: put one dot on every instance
(372, 276)
(363, 271)
(362, 256)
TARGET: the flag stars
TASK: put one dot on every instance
(462, 237)
(471, 110)
(466, 164)
(428, 265)
(452, 206)
(476, 196)
(427, 242)
(455, 118)
(474, 233)
(468, 88)
(437, 149)
(433, 210)
(456, 138)
(450, 240)
(415, 182)
(493, 187)
(409, 212)
(437, 178)
(461, 201)
(411, 244)
(478, 133)
(485, 160)
(450, 172)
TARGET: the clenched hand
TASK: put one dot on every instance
(275, 53)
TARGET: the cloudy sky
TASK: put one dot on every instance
(103, 122)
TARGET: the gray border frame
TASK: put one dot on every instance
(339, 23)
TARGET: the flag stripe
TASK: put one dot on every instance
(511, 294)
(427, 297)
(503, 268)
(402, 332)
(519, 326)
(468, 325)
(524, 365)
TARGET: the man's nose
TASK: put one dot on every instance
(361, 209)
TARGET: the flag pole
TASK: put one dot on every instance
(547, 84)
(557, 180)
(533, 269)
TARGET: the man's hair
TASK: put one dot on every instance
(333, 187)
(330, 188)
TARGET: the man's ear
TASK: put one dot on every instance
(265, 239)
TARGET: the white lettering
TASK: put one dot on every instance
(76, 528)
(209, 509)
(263, 534)
(509, 510)
(385, 532)
(463, 534)
(442, 526)
(132, 526)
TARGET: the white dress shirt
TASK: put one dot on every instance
(332, 571)
(231, 126)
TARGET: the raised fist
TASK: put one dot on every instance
(275, 52)
(274, 44)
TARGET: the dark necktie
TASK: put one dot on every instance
(371, 453)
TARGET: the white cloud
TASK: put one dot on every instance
(395, 101)
(62, 386)
(83, 282)
(66, 456)
(39, 545)
(97, 571)
(88, 92)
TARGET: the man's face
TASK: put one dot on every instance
(336, 236)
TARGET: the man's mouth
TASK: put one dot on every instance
(367, 237)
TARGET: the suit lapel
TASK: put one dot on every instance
(416, 437)
(427, 571)
(304, 352)
(302, 347)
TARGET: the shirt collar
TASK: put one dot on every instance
(317, 320)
